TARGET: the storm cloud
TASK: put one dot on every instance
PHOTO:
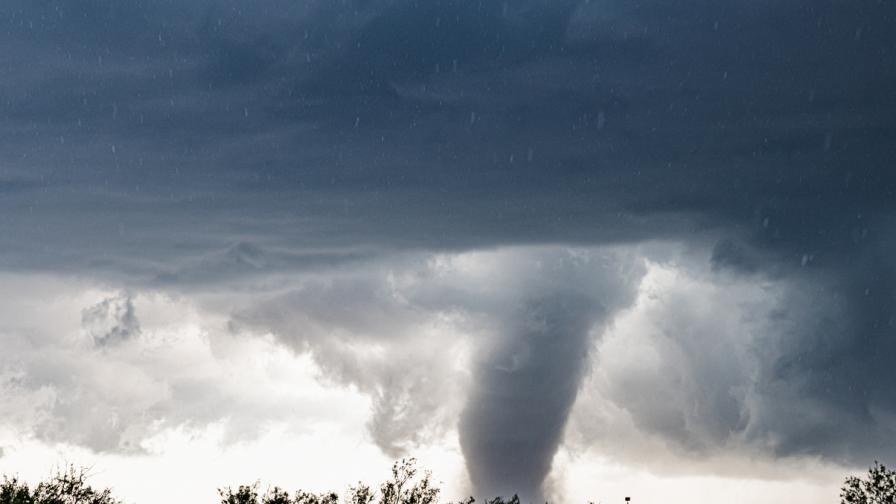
(323, 156)
(529, 317)
(443, 124)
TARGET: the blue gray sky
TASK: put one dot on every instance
(535, 233)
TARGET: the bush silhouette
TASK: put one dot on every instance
(878, 487)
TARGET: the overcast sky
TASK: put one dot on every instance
(575, 249)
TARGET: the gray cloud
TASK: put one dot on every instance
(111, 321)
(362, 330)
(710, 364)
(679, 366)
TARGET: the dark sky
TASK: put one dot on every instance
(140, 131)
(196, 145)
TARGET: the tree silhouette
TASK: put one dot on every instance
(361, 494)
(401, 489)
(878, 487)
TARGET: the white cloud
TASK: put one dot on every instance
(183, 369)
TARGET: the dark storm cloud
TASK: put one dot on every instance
(836, 360)
(188, 142)
(578, 121)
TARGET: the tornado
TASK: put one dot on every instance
(540, 309)
(524, 387)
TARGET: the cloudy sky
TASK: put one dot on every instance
(574, 249)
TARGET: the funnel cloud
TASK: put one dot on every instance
(525, 387)
(526, 378)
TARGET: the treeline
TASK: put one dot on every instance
(406, 486)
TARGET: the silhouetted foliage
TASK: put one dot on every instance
(403, 488)
(878, 487)
(276, 495)
(13, 492)
(245, 494)
(500, 500)
(361, 494)
(67, 486)
(309, 498)
(248, 494)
